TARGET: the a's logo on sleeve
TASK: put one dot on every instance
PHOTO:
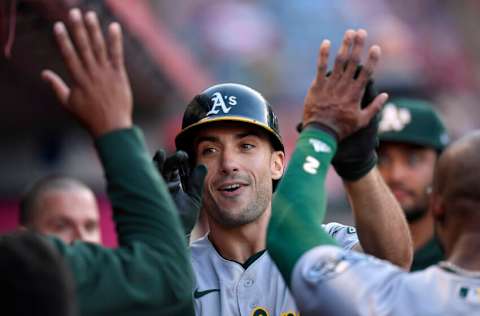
(394, 118)
(219, 103)
(319, 146)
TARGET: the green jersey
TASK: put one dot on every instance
(431, 253)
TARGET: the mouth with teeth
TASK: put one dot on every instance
(231, 189)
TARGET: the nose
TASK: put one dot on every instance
(229, 161)
(397, 172)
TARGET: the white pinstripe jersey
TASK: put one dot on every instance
(225, 287)
(332, 281)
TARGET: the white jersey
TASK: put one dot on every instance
(328, 280)
(225, 287)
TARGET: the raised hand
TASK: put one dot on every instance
(100, 96)
(333, 101)
(185, 185)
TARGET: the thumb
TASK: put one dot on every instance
(59, 87)
(195, 183)
(374, 107)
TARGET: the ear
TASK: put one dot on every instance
(277, 164)
(437, 207)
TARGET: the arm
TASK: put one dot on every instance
(332, 105)
(297, 210)
(149, 274)
(381, 225)
(382, 228)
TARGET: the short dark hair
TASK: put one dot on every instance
(34, 279)
(29, 199)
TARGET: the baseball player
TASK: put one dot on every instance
(328, 280)
(232, 130)
(412, 136)
(150, 272)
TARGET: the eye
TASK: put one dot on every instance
(414, 159)
(246, 146)
(60, 225)
(91, 226)
(208, 151)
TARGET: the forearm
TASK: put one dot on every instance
(298, 207)
(379, 219)
(143, 208)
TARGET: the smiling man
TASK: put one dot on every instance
(412, 136)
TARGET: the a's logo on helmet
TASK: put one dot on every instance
(219, 103)
(394, 119)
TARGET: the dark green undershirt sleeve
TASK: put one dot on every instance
(149, 273)
(299, 204)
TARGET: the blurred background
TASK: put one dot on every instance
(175, 49)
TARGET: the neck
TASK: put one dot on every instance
(240, 243)
(422, 231)
(466, 251)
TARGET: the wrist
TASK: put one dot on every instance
(99, 131)
(322, 127)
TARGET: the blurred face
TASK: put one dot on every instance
(68, 214)
(241, 165)
(408, 171)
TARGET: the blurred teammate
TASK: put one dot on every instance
(232, 130)
(412, 136)
(34, 280)
(62, 207)
(328, 280)
(149, 273)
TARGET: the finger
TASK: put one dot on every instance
(96, 36)
(195, 188)
(357, 49)
(322, 61)
(367, 71)
(159, 159)
(70, 57)
(342, 55)
(183, 165)
(116, 45)
(175, 161)
(81, 38)
(59, 87)
(373, 108)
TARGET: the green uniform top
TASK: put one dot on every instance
(149, 273)
(430, 254)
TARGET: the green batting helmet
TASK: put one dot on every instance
(228, 102)
(412, 121)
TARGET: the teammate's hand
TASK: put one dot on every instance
(333, 101)
(356, 155)
(185, 187)
(99, 96)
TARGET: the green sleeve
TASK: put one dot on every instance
(298, 207)
(149, 273)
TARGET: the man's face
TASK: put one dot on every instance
(408, 171)
(241, 165)
(68, 214)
